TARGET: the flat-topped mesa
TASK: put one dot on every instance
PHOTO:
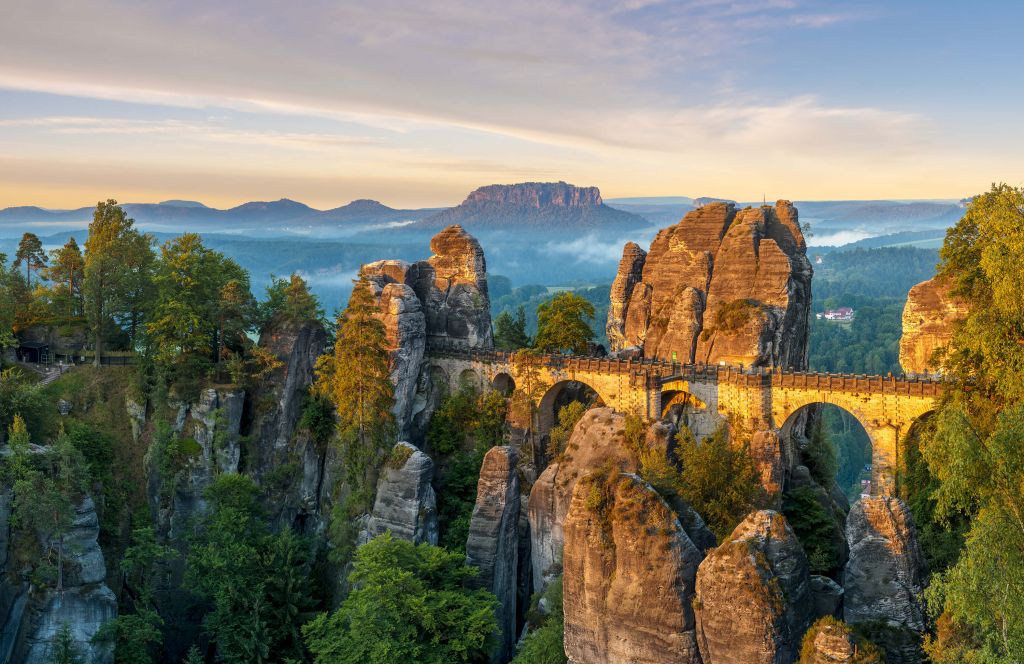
(721, 285)
(929, 316)
(540, 206)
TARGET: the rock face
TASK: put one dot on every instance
(629, 576)
(599, 438)
(631, 271)
(883, 579)
(833, 642)
(720, 285)
(827, 596)
(493, 540)
(444, 300)
(452, 284)
(928, 319)
(542, 206)
(753, 598)
(405, 504)
(86, 603)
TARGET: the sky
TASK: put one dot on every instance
(416, 103)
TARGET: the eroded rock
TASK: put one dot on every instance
(629, 575)
(405, 504)
(493, 544)
(883, 578)
(753, 597)
(929, 316)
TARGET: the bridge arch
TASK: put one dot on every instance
(469, 378)
(561, 394)
(854, 444)
(503, 383)
(439, 378)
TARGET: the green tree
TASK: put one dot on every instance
(256, 583)
(974, 452)
(30, 252)
(66, 272)
(8, 309)
(64, 649)
(289, 300)
(544, 643)
(203, 309)
(716, 477)
(510, 331)
(118, 264)
(568, 416)
(21, 397)
(409, 603)
(563, 324)
(356, 379)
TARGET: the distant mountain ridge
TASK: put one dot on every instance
(539, 206)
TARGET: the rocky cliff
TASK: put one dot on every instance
(540, 206)
(721, 285)
(629, 573)
(928, 319)
(884, 576)
(405, 504)
(753, 597)
(493, 544)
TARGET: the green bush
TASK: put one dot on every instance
(814, 527)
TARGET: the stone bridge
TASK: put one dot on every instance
(886, 406)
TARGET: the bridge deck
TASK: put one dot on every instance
(664, 371)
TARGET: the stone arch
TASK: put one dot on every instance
(469, 378)
(439, 378)
(560, 394)
(880, 470)
(503, 383)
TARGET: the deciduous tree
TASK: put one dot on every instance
(563, 324)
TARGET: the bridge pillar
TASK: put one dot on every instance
(884, 457)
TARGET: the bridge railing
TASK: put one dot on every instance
(656, 369)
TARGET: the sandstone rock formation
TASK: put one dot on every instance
(405, 503)
(541, 206)
(493, 540)
(629, 576)
(928, 319)
(720, 285)
(753, 597)
(631, 271)
(833, 642)
(452, 284)
(884, 577)
(827, 596)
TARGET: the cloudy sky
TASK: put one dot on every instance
(416, 103)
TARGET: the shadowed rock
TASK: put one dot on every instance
(405, 503)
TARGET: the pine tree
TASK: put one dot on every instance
(63, 649)
(30, 252)
(66, 271)
(356, 380)
(510, 331)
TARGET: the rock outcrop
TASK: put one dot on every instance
(405, 503)
(833, 642)
(631, 271)
(827, 596)
(883, 578)
(753, 598)
(720, 285)
(493, 544)
(452, 284)
(928, 319)
(629, 576)
(541, 206)
(86, 603)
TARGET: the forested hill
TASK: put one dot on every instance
(874, 282)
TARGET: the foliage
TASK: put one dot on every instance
(715, 477)
(529, 297)
(820, 455)
(21, 396)
(257, 583)
(66, 272)
(289, 301)
(814, 526)
(63, 649)
(408, 603)
(117, 274)
(563, 324)
(30, 252)
(355, 378)
(568, 416)
(544, 642)
(510, 331)
(464, 426)
(974, 452)
(865, 652)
